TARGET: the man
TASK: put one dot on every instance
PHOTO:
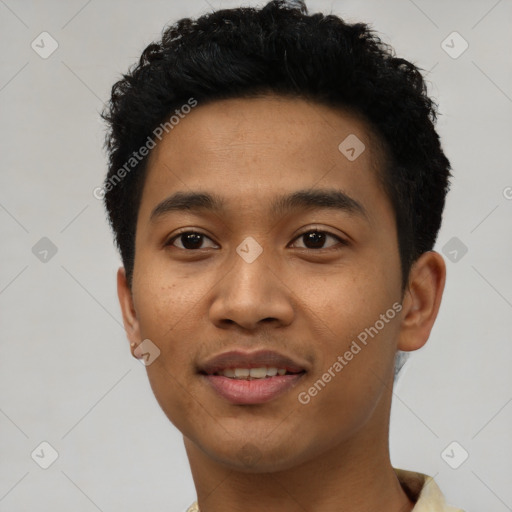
(276, 186)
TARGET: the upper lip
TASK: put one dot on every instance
(255, 359)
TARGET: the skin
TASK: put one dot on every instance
(311, 303)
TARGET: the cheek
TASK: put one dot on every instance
(352, 298)
(164, 296)
(346, 393)
(354, 320)
(164, 307)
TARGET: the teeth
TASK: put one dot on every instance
(252, 373)
(258, 373)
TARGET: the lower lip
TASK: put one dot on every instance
(255, 391)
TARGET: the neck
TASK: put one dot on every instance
(354, 475)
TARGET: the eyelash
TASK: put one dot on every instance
(341, 241)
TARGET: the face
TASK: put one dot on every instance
(304, 277)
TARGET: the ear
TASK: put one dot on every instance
(422, 299)
(130, 321)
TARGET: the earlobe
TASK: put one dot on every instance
(422, 300)
(130, 321)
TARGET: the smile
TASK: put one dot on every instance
(254, 377)
(252, 373)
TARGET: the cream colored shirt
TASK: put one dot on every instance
(421, 489)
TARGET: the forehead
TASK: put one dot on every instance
(249, 151)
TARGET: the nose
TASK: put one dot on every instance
(252, 294)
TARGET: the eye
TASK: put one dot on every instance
(190, 240)
(315, 239)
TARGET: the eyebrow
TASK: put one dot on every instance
(299, 200)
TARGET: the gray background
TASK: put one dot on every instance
(66, 374)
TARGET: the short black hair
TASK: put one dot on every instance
(281, 49)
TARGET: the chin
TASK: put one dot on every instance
(256, 456)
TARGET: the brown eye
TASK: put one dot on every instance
(190, 240)
(315, 239)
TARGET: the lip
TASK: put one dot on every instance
(255, 359)
(254, 391)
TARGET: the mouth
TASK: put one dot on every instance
(251, 378)
(263, 372)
